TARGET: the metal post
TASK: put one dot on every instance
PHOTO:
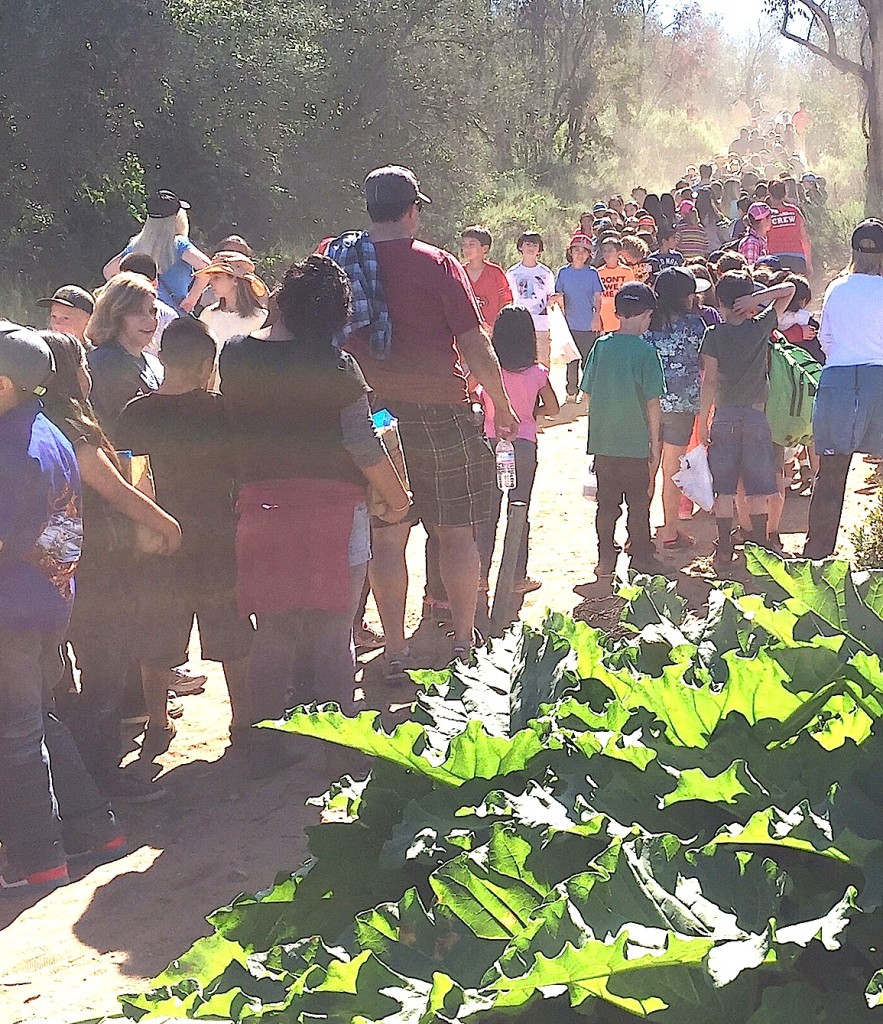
(503, 608)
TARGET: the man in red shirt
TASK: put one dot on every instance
(801, 119)
(488, 280)
(788, 238)
(422, 382)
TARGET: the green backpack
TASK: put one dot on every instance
(794, 381)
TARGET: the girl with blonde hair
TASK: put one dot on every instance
(165, 237)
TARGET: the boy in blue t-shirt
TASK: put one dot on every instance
(40, 536)
(579, 290)
(624, 381)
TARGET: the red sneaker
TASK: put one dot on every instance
(13, 884)
(103, 853)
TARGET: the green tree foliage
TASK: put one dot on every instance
(267, 115)
(848, 35)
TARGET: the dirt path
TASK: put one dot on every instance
(218, 833)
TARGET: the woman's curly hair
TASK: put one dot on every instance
(314, 299)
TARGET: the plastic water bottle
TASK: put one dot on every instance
(505, 452)
(590, 482)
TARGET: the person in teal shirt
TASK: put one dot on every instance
(624, 381)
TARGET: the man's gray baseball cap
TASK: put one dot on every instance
(393, 184)
(24, 358)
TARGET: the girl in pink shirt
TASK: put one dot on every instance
(529, 390)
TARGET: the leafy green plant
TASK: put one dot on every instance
(684, 825)
(867, 538)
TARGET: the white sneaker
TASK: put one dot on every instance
(184, 681)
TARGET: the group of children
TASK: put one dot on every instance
(674, 352)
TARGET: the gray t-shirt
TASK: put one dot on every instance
(742, 354)
(117, 378)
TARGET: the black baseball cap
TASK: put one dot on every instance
(164, 204)
(72, 296)
(24, 357)
(393, 184)
(868, 237)
(633, 299)
(679, 282)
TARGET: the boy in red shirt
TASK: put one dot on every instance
(788, 238)
(488, 280)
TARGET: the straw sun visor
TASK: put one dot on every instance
(237, 265)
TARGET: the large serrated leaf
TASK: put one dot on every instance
(474, 753)
(491, 889)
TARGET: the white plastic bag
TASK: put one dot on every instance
(563, 346)
(693, 479)
(590, 481)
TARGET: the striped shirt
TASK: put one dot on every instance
(691, 240)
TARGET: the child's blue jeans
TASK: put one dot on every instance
(30, 828)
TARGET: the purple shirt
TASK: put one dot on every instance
(40, 522)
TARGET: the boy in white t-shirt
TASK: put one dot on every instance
(533, 288)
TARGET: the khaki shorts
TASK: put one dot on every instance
(544, 348)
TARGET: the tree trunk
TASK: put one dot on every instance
(874, 195)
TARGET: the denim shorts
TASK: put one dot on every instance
(742, 448)
(676, 428)
(848, 411)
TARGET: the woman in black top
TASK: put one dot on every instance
(305, 447)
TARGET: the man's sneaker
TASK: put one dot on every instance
(395, 666)
(526, 586)
(367, 639)
(102, 853)
(13, 883)
(185, 682)
(95, 838)
(680, 542)
(648, 564)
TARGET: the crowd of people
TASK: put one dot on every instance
(274, 506)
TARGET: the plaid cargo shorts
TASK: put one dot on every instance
(450, 463)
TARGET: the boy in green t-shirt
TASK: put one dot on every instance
(624, 380)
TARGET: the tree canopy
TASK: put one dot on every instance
(267, 115)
